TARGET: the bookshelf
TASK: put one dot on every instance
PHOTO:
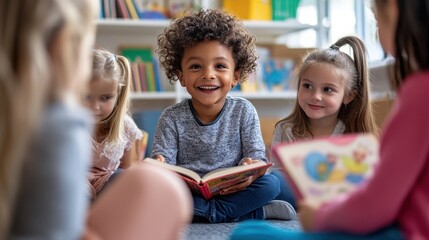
(265, 31)
(113, 34)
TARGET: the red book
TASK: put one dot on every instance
(122, 9)
(213, 182)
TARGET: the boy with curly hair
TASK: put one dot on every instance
(209, 53)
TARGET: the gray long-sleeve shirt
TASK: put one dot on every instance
(53, 195)
(184, 141)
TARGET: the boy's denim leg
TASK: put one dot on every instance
(286, 193)
(245, 204)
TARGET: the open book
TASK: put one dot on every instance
(213, 182)
(322, 168)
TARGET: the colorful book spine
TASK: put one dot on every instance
(136, 77)
(142, 73)
(123, 12)
(131, 9)
(150, 79)
(157, 75)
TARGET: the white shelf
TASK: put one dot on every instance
(153, 95)
(265, 95)
(261, 29)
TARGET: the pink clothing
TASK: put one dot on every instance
(107, 156)
(398, 192)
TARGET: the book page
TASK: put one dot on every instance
(323, 168)
(227, 171)
(179, 170)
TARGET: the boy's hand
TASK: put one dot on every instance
(242, 185)
(247, 161)
(160, 158)
(307, 214)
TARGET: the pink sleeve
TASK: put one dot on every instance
(132, 132)
(403, 153)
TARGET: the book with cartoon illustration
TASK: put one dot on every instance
(213, 182)
(323, 168)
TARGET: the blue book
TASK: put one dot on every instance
(147, 121)
(158, 85)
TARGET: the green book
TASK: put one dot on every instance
(137, 54)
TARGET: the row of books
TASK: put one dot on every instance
(273, 75)
(145, 70)
(144, 9)
(145, 77)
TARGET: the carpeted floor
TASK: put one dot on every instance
(221, 231)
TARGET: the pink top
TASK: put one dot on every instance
(107, 156)
(398, 192)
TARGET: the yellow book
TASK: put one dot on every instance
(132, 9)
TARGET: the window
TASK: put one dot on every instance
(338, 18)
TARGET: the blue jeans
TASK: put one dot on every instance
(245, 204)
(253, 230)
(286, 193)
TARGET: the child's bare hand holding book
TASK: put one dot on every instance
(246, 182)
(160, 158)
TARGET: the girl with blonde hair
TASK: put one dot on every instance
(115, 131)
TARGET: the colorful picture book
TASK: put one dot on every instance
(323, 168)
(213, 182)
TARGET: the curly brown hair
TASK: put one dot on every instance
(206, 25)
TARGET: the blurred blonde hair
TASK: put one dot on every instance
(110, 67)
(29, 29)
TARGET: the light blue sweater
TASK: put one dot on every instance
(53, 195)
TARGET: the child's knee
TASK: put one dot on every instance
(270, 184)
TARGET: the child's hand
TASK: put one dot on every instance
(242, 185)
(160, 158)
(307, 214)
(247, 161)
